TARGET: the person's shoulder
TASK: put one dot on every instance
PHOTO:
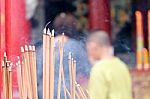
(98, 66)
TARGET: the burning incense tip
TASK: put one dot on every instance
(33, 48)
(22, 49)
(53, 32)
(45, 31)
(7, 63)
(72, 59)
(26, 48)
(30, 48)
(10, 68)
(63, 34)
(78, 85)
(4, 54)
(48, 32)
(69, 57)
(18, 57)
(18, 60)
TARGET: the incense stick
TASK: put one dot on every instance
(4, 80)
(52, 67)
(10, 80)
(27, 65)
(44, 62)
(47, 91)
(85, 97)
(67, 92)
(19, 79)
(24, 74)
(34, 72)
(61, 71)
(70, 72)
(64, 85)
(74, 78)
(79, 91)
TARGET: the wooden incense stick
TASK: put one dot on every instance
(44, 62)
(70, 72)
(77, 95)
(47, 91)
(8, 76)
(10, 81)
(64, 85)
(24, 74)
(52, 67)
(73, 66)
(79, 91)
(19, 79)
(61, 71)
(4, 80)
(84, 95)
(35, 72)
(30, 55)
(68, 92)
(29, 88)
(50, 60)
(73, 78)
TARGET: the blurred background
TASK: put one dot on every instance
(23, 21)
(117, 17)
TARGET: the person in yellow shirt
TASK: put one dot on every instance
(110, 77)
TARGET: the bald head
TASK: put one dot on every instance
(99, 37)
(98, 46)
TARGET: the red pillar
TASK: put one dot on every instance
(99, 15)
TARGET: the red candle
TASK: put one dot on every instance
(140, 42)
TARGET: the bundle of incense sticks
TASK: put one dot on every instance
(26, 73)
(75, 92)
(7, 78)
(48, 64)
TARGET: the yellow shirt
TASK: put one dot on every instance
(110, 79)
